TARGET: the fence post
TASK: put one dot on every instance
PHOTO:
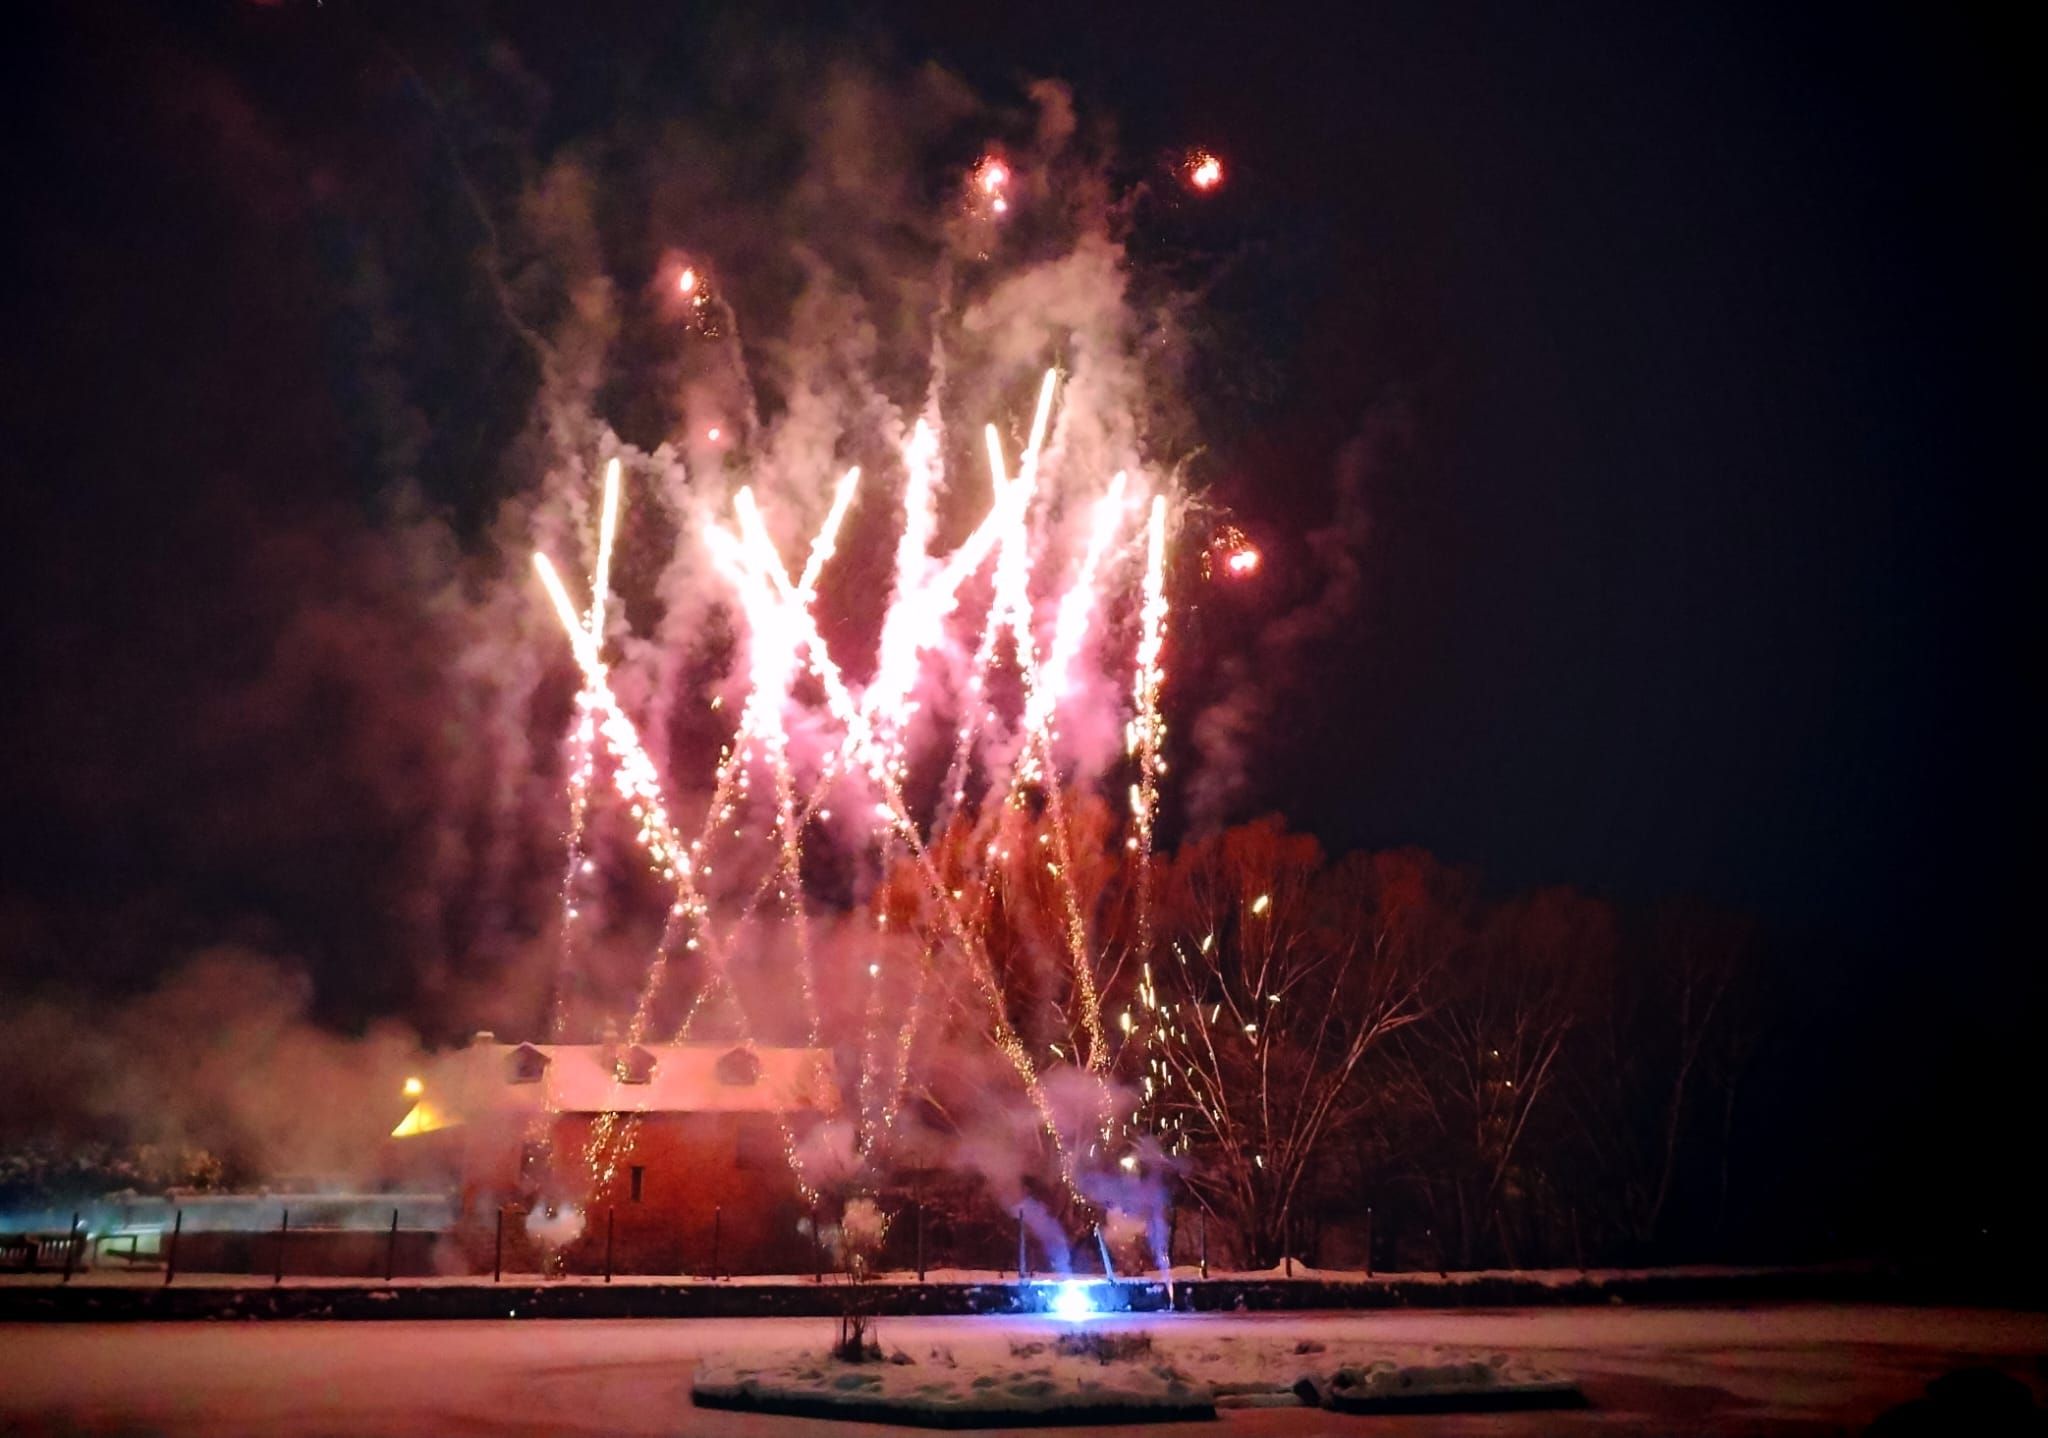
(1368, 1240)
(71, 1249)
(1021, 1254)
(1202, 1229)
(391, 1248)
(1287, 1245)
(284, 1228)
(610, 1221)
(498, 1254)
(919, 1200)
(717, 1225)
(171, 1258)
(817, 1245)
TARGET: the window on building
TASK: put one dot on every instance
(635, 1065)
(526, 1064)
(739, 1068)
(637, 1175)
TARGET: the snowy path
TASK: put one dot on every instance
(1808, 1369)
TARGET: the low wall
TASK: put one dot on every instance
(141, 1302)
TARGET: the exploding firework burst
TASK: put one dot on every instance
(1202, 170)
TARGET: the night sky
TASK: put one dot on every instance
(1690, 570)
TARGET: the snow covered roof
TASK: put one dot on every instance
(499, 1078)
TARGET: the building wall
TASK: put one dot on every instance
(715, 1190)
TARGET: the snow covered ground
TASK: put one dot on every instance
(1780, 1370)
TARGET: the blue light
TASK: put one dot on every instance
(1072, 1303)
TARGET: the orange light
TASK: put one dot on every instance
(1245, 561)
(1205, 171)
(413, 1088)
(688, 283)
(992, 175)
(714, 434)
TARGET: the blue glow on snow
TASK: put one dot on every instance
(1072, 1304)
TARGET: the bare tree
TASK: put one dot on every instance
(1476, 1077)
(1274, 977)
(1669, 1030)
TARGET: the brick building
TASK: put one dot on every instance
(695, 1157)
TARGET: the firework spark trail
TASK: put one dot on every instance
(636, 781)
(778, 616)
(1146, 736)
(638, 784)
(1070, 627)
(607, 534)
(909, 618)
(784, 640)
(1009, 615)
(802, 626)
(1010, 538)
(906, 1040)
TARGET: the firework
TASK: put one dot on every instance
(776, 765)
(1231, 555)
(1203, 170)
(988, 184)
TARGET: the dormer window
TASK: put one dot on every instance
(635, 1065)
(526, 1064)
(739, 1068)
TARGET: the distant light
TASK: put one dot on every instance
(999, 205)
(714, 434)
(1262, 903)
(874, 971)
(1072, 1303)
(688, 284)
(992, 175)
(414, 1088)
(1244, 561)
(1128, 1163)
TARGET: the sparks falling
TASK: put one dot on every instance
(810, 739)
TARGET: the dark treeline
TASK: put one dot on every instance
(1336, 1053)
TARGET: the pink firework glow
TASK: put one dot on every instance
(1059, 572)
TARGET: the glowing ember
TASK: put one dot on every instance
(991, 176)
(1232, 553)
(1204, 170)
(688, 283)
